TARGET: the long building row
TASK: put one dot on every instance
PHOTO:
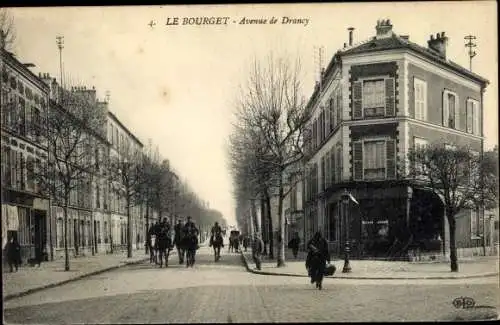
(97, 215)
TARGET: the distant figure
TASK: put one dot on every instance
(294, 244)
(190, 240)
(179, 235)
(257, 249)
(317, 257)
(216, 240)
(246, 241)
(13, 253)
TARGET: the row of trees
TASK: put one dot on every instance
(265, 146)
(82, 167)
(265, 149)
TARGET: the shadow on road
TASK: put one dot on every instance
(204, 260)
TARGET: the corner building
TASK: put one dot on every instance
(376, 100)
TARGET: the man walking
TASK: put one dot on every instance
(178, 240)
(257, 249)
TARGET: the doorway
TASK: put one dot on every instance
(40, 229)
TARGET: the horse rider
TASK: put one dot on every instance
(191, 232)
(216, 230)
(178, 228)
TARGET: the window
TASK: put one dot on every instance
(98, 195)
(450, 110)
(373, 98)
(6, 166)
(322, 178)
(333, 114)
(374, 159)
(328, 170)
(105, 232)
(327, 121)
(419, 144)
(37, 123)
(339, 164)
(60, 232)
(473, 116)
(339, 106)
(315, 134)
(420, 91)
(30, 173)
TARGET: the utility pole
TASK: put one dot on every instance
(470, 44)
(60, 45)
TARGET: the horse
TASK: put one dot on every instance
(164, 245)
(190, 245)
(217, 242)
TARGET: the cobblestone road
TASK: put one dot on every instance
(225, 292)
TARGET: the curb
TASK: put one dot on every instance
(56, 284)
(484, 275)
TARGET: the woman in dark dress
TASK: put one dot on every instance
(317, 257)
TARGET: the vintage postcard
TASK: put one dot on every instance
(327, 162)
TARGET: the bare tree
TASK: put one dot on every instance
(72, 125)
(272, 105)
(455, 174)
(127, 176)
(7, 30)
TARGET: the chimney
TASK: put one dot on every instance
(384, 29)
(350, 29)
(345, 45)
(405, 37)
(438, 44)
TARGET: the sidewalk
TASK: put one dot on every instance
(379, 270)
(50, 274)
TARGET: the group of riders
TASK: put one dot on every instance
(162, 237)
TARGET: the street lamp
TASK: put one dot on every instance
(345, 208)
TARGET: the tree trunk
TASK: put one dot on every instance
(281, 231)
(66, 250)
(263, 225)
(147, 225)
(129, 229)
(453, 246)
(270, 227)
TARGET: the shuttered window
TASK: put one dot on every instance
(373, 98)
(339, 164)
(473, 116)
(327, 121)
(322, 175)
(339, 106)
(333, 166)
(450, 110)
(374, 159)
(420, 93)
(327, 170)
(331, 105)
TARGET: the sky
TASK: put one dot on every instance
(177, 84)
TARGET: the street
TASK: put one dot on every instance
(226, 292)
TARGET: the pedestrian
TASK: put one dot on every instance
(13, 253)
(317, 257)
(245, 242)
(179, 235)
(294, 244)
(257, 250)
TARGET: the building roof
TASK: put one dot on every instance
(113, 116)
(398, 42)
(13, 62)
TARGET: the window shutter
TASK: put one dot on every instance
(328, 170)
(390, 106)
(446, 112)
(475, 117)
(391, 158)
(468, 113)
(357, 157)
(327, 121)
(332, 113)
(457, 114)
(333, 167)
(339, 107)
(357, 100)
